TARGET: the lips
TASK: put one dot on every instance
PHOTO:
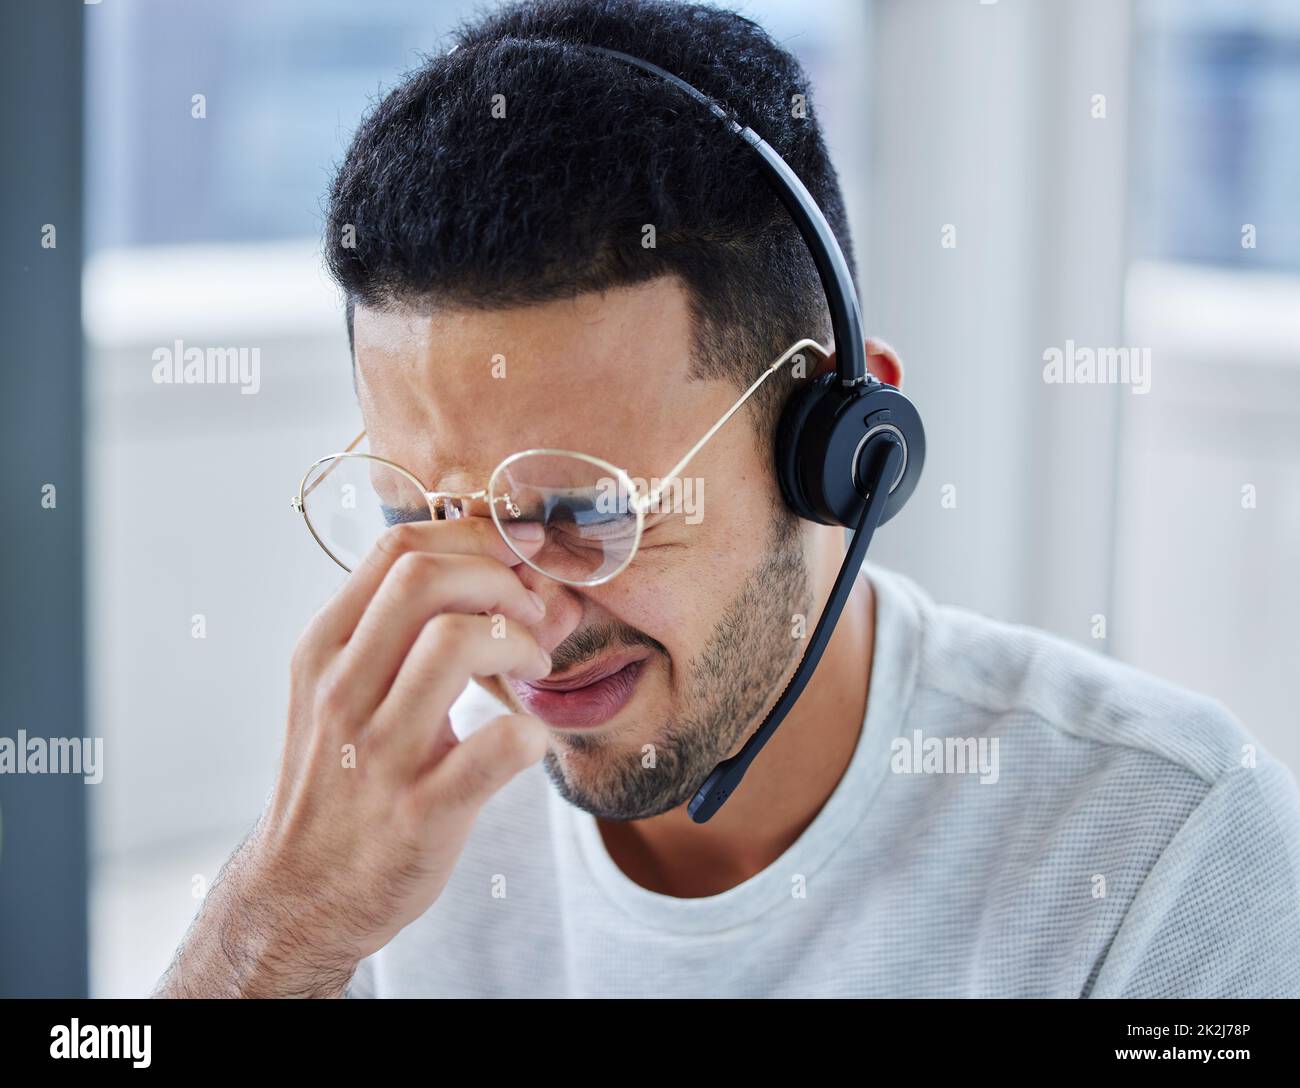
(589, 697)
(590, 674)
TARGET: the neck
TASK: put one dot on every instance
(784, 788)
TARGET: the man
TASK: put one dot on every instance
(543, 248)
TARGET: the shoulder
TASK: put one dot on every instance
(1011, 672)
(1157, 785)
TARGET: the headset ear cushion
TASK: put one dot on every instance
(797, 450)
(820, 439)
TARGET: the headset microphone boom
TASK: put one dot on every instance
(849, 448)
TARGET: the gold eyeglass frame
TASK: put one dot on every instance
(640, 503)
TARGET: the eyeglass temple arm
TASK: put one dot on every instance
(321, 478)
(652, 497)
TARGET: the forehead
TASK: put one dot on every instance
(591, 373)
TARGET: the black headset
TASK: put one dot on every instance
(849, 448)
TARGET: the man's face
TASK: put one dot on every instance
(679, 655)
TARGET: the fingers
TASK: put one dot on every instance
(484, 762)
(418, 586)
(335, 623)
(450, 649)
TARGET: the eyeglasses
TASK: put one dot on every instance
(593, 513)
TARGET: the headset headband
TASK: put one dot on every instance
(873, 418)
(832, 268)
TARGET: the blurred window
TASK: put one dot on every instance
(1218, 103)
(284, 86)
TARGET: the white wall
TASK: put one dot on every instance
(1076, 501)
(1208, 583)
(982, 122)
(189, 515)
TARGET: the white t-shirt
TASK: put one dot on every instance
(1123, 837)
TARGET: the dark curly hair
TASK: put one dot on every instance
(451, 205)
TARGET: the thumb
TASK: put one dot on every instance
(488, 758)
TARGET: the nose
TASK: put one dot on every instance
(564, 607)
(457, 504)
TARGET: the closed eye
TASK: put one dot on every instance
(398, 515)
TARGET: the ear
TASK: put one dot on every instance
(882, 361)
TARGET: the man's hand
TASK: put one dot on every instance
(375, 795)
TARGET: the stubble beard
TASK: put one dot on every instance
(735, 679)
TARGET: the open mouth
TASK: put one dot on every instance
(588, 697)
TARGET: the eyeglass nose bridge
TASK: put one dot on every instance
(454, 503)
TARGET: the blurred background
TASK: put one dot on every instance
(1112, 173)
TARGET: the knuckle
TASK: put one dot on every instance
(505, 744)
(470, 784)
(411, 811)
(400, 539)
(312, 643)
(331, 704)
(413, 569)
(448, 633)
(303, 659)
(517, 732)
(460, 790)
